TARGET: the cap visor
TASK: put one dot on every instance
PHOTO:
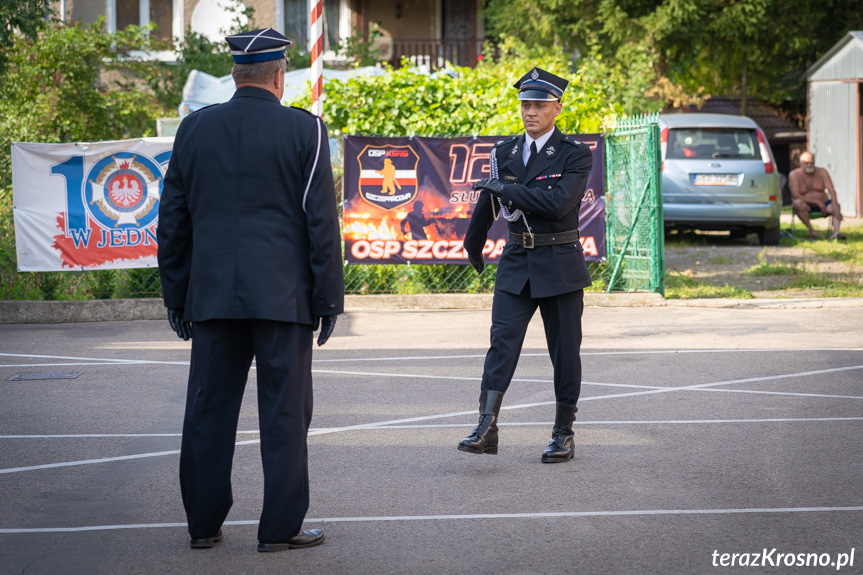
(537, 95)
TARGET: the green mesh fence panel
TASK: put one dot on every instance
(633, 207)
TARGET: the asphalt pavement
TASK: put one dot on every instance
(705, 436)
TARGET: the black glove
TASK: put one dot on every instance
(476, 261)
(179, 325)
(328, 324)
(491, 185)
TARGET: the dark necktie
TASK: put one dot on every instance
(532, 156)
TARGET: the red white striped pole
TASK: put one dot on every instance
(317, 48)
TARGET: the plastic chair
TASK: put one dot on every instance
(813, 215)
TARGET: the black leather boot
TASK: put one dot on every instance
(560, 447)
(483, 439)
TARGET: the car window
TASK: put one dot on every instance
(703, 143)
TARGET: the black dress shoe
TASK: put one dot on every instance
(205, 542)
(305, 538)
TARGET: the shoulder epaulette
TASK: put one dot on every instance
(303, 110)
(571, 140)
(204, 108)
(505, 141)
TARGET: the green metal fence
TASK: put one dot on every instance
(634, 240)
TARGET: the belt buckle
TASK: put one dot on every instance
(527, 240)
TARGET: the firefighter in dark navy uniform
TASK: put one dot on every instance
(251, 264)
(538, 181)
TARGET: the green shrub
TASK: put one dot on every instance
(472, 101)
(54, 89)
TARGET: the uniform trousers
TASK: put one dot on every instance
(222, 352)
(561, 318)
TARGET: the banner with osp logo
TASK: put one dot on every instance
(409, 200)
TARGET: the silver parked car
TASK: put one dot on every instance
(718, 173)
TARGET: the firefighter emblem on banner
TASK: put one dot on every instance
(388, 175)
(123, 189)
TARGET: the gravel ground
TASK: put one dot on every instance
(724, 261)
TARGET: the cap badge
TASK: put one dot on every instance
(534, 74)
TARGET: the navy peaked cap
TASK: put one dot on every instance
(257, 46)
(540, 85)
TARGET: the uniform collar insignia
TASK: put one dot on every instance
(514, 150)
(549, 150)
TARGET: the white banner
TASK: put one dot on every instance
(88, 206)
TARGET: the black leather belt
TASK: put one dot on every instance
(529, 240)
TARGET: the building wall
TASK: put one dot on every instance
(83, 11)
(833, 137)
(265, 12)
(846, 63)
(418, 18)
(54, 6)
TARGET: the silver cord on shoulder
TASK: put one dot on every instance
(507, 215)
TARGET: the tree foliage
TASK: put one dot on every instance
(19, 17)
(56, 88)
(194, 52)
(686, 48)
(460, 102)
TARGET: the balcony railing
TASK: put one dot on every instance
(437, 53)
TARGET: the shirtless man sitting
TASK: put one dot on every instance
(810, 187)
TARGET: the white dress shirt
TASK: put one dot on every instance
(540, 142)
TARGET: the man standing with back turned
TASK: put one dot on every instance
(250, 261)
(538, 181)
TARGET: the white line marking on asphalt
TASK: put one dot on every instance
(435, 416)
(100, 435)
(583, 353)
(729, 350)
(798, 394)
(374, 427)
(401, 375)
(395, 424)
(107, 459)
(773, 377)
(77, 363)
(68, 357)
(455, 378)
(644, 422)
(461, 517)
(89, 360)
(433, 357)
(635, 512)
(706, 386)
(88, 461)
(93, 435)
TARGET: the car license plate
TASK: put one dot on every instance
(714, 179)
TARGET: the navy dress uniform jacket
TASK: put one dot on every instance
(265, 242)
(550, 195)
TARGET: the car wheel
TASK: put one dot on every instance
(769, 237)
